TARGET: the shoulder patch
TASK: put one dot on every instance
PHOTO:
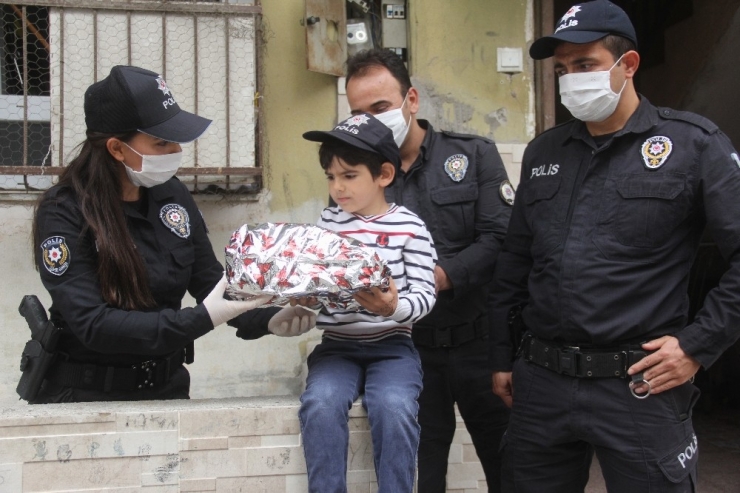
(688, 117)
(507, 192)
(55, 253)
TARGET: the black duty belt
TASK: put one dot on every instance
(581, 362)
(449, 336)
(147, 374)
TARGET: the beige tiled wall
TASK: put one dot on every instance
(230, 445)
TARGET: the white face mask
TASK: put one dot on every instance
(394, 120)
(588, 95)
(155, 169)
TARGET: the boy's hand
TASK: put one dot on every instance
(376, 301)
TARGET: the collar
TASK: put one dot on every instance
(426, 144)
(161, 192)
(644, 118)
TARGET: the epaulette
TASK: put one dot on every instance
(466, 136)
(686, 116)
(556, 127)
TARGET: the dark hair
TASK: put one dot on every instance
(350, 155)
(365, 60)
(92, 178)
(617, 45)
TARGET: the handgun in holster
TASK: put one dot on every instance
(40, 351)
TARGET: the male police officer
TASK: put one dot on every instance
(606, 223)
(458, 185)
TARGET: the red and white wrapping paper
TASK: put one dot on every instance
(298, 260)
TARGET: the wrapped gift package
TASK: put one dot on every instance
(301, 260)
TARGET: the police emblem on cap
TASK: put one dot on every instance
(456, 166)
(506, 190)
(571, 13)
(56, 255)
(655, 151)
(356, 120)
(162, 86)
(176, 218)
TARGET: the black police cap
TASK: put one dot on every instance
(135, 99)
(363, 131)
(585, 23)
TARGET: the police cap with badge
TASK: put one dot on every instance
(363, 131)
(585, 23)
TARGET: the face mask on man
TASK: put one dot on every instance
(394, 120)
(155, 169)
(588, 95)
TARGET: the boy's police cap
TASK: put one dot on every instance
(363, 131)
(135, 99)
(585, 23)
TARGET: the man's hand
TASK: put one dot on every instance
(502, 386)
(441, 281)
(666, 368)
(376, 301)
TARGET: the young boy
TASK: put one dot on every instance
(369, 351)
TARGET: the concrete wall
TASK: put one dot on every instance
(453, 64)
(453, 46)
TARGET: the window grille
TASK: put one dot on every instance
(52, 50)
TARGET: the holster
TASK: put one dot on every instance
(35, 363)
(39, 352)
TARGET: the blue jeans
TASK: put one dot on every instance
(389, 373)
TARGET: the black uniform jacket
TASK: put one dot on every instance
(467, 218)
(178, 257)
(602, 239)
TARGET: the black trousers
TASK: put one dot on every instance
(458, 375)
(178, 387)
(558, 422)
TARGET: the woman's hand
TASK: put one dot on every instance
(222, 310)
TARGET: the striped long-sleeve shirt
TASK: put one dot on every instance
(402, 240)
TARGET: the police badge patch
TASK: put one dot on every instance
(456, 166)
(176, 218)
(56, 255)
(506, 190)
(655, 151)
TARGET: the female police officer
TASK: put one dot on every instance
(118, 242)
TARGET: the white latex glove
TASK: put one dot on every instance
(222, 310)
(292, 321)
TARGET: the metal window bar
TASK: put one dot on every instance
(194, 8)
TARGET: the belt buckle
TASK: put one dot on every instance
(443, 337)
(145, 374)
(568, 360)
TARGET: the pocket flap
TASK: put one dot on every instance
(657, 187)
(455, 194)
(183, 255)
(681, 461)
(541, 189)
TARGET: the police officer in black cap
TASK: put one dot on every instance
(118, 242)
(606, 223)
